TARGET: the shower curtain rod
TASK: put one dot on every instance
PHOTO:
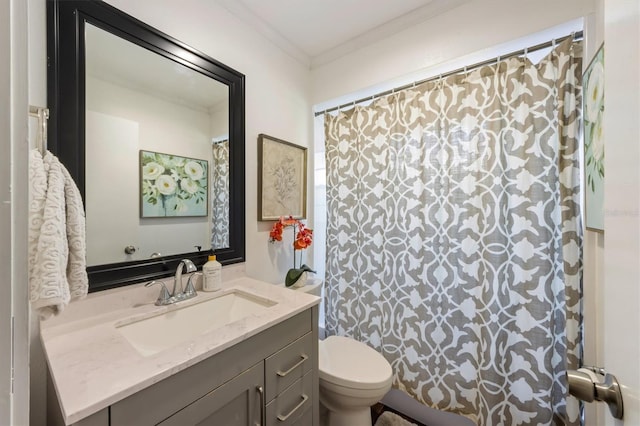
(576, 36)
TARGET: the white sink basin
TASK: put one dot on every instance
(155, 334)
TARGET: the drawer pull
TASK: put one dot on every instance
(296, 365)
(284, 418)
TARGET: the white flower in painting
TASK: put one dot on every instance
(181, 207)
(597, 139)
(166, 185)
(189, 186)
(174, 174)
(595, 92)
(152, 170)
(173, 162)
(194, 170)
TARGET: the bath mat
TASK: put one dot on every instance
(390, 419)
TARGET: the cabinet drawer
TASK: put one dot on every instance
(292, 403)
(288, 365)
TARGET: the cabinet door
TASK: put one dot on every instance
(236, 403)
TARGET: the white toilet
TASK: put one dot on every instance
(353, 376)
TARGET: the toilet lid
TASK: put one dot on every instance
(349, 363)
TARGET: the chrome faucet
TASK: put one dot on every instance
(177, 281)
(177, 294)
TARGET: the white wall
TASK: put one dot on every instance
(621, 296)
(37, 73)
(6, 222)
(277, 98)
(220, 121)
(468, 29)
(120, 122)
(15, 97)
(593, 250)
(13, 205)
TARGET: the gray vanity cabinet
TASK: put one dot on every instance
(236, 403)
(268, 379)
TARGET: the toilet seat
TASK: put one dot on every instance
(350, 364)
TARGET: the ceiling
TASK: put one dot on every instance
(316, 32)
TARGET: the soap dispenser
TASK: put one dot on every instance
(212, 271)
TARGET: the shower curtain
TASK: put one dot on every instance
(454, 237)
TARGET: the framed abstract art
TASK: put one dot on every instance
(282, 179)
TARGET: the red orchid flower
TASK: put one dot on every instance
(276, 232)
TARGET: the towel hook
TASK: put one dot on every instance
(42, 114)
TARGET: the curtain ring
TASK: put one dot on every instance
(526, 52)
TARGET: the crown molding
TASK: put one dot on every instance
(414, 17)
(244, 14)
(397, 25)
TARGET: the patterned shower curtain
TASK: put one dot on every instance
(454, 237)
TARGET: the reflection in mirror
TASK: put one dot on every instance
(137, 101)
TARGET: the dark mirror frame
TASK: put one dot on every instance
(66, 100)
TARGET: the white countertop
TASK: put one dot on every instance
(93, 366)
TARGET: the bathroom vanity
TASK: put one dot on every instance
(257, 367)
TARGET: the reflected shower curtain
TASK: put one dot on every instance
(220, 195)
(454, 237)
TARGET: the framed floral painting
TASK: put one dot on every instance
(173, 186)
(593, 110)
(282, 179)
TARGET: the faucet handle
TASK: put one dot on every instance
(164, 298)
(190, 290)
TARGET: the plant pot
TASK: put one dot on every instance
(300, 282)
(296, 278)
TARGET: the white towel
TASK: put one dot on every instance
(57, 246)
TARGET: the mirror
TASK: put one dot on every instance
(139, 102)
(153, 133)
